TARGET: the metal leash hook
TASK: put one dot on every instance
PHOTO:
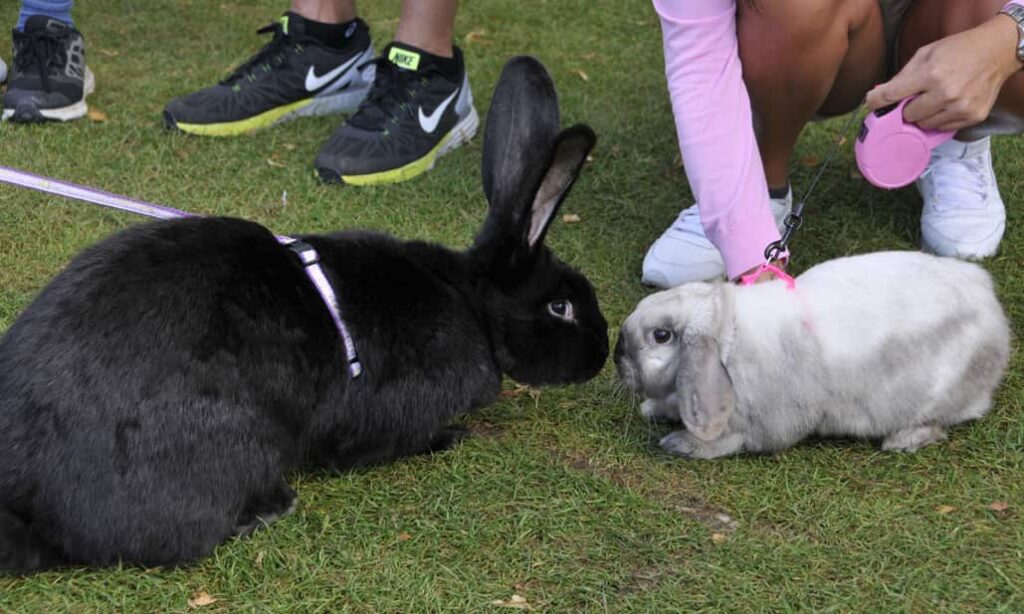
(793, 222)
(774, 251)
(795, 219)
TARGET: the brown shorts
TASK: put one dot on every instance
(893, 12)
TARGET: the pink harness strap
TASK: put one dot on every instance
(751, 278)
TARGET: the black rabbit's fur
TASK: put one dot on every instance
(158, 392)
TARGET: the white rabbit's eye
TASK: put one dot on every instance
(662, 336)
(561, 309)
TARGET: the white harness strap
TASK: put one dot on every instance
(310, 259)
(306, 253)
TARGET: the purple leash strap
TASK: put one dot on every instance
(305, 252)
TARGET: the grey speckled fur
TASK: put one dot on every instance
(893, 346)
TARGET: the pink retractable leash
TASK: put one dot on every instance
(891, 152)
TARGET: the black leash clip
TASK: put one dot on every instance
(795, 219)
(793, 222)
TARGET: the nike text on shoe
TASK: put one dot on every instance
(291, 76)
(963, 215)
(413, 115)
(683, 253)
(49, 79)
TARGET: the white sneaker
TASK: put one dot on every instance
(963, 214)
(683, 253)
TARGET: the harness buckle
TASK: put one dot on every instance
(307, 253)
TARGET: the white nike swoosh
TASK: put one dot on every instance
(313, 82)
(429, 122)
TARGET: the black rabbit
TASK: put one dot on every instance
(156, 395)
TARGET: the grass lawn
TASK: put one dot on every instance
(562, 496)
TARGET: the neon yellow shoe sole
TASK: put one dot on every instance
(458, 135)
(344, 102)
(236, 128)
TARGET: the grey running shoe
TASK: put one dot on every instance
(49, 79)
(413, 115)
(291, 76)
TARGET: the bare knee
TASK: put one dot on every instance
(778, 38)
(823, 54)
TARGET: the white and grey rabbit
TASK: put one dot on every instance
(894, 346)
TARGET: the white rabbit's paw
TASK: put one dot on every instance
(679, 443)
(913, 439)
(660, 410)
(683, 443)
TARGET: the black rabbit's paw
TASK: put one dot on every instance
(265, 509)
(447, 438)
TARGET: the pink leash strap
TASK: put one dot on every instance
(307, 255)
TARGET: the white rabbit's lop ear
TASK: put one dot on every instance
(706, 397)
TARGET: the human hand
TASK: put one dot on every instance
(956, 79)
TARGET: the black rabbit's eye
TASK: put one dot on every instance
(561, 309)
(662, 336)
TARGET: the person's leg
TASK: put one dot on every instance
(806, 57)
(56, 9)
(49, 78)
(799, 58)
(325, 11)
(429, 25)
(419, 109)
(312, 66)
(963, 213)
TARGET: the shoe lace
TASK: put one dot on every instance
(689, 221)
(391, 94)
(43, 49)
(958, 182)
(271, 55)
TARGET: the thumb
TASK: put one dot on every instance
(903, 85)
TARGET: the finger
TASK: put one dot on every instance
(949, 121)
(908, 82)
(921, 109)
(962, 113)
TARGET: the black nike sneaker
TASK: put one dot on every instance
(291, 76)
(49, 80)
(413, 115)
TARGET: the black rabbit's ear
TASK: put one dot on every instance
(521, 125)
(567, 158)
